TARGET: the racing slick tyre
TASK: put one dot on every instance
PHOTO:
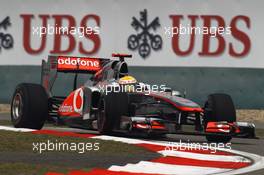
(111, 107)
(219, 107)
(29, 106)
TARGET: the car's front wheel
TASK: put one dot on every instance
(29, 106)
(111, 107)
(218, 108)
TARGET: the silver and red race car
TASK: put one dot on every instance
(112, 100)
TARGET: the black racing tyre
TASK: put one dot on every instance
(29, 106)
(219, 107)
(111, 107)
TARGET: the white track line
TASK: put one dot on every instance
(211, 157)
(161, 168)
(7, 128)
(258, 161)
(122, 139)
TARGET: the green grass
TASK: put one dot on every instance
(20, 145)
(23, 142)
(30, 169)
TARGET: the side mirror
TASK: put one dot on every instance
(176, 93)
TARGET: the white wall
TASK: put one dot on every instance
(115, 27)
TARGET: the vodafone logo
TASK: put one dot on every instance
(78, 61)
(78, 100)
(74, 63)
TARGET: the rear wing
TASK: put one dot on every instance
(76, 64)
(68, 64)
(121, 56)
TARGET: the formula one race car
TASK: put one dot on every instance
(113, 100)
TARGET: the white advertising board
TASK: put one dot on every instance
(195, 33)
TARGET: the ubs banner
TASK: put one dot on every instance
(195, 33)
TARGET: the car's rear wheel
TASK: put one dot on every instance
(219, 107)
(111, 107)
(29, 106)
